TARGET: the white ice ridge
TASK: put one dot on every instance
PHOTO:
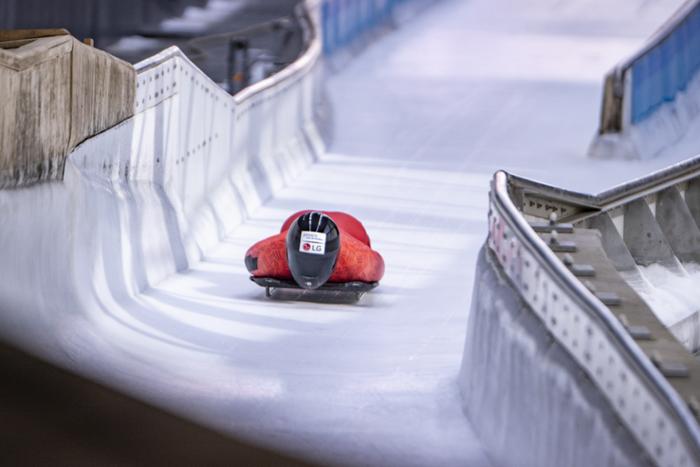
(131, 269)
(674, 297)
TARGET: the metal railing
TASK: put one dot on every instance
(588, 204)
(241, 56)
(310, 52)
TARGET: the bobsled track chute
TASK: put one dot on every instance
(126, 214)
(572, 260)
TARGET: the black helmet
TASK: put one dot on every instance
(313, 243)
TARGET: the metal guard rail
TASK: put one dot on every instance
(617, 195)
(306, 14)
(640, 395)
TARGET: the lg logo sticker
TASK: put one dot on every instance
(313, 243)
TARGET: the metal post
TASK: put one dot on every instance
(95, 23)
(238, 65)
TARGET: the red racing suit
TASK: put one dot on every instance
(357, 261)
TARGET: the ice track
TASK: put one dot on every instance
(422, 119)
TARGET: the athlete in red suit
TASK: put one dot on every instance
(355, 261)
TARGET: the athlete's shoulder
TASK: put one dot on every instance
(267, 258)
(351, 225)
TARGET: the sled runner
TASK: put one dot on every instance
(356, 288)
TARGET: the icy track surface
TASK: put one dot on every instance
(422, 119)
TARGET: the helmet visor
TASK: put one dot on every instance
(311, 271)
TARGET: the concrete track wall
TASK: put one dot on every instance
(57, 93)
(533, 404)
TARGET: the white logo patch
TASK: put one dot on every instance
(313, 243)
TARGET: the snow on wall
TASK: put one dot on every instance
(546, 412)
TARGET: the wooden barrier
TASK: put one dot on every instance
(611, 109)
(56, 92)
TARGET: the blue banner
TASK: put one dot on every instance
(666, 69)
(343, 21)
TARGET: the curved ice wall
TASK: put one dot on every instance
(146, 198)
